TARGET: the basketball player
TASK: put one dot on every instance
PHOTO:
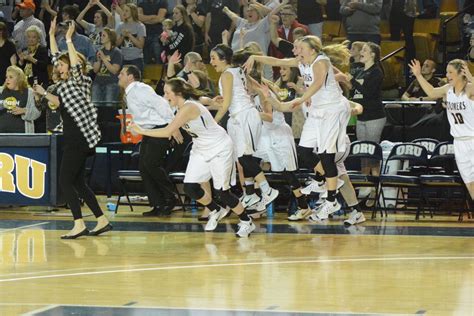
(459, 95)
(325, 127)
(244, 125)
(211, 155)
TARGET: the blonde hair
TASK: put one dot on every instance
(21, 79)
(34, 29)
(168, 23)
(339, 54)
(458, 64)
(133, 11)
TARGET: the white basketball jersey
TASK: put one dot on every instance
(460, 114)
(240, 97)
(329, 93)
(278, 117)
(204, 130)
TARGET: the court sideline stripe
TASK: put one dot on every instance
(22, 227)
(204, 266)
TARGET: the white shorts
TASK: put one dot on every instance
(282, 150)
(244, 128)
(308, 134)
(220, 168)
(464, 154)
(331, 124)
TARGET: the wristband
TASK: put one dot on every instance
(68, 41)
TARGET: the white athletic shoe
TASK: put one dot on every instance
(249, 200)
(327, 208)
(355, 218)
(270, 197)
(300, 214)
(245, 228)
(313, 186)
(324, 194)
(214, 218)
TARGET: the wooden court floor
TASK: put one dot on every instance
(169, 266)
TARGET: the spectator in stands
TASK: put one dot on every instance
(7, 51)
(27, 9)
(50, 110)
(81, 42)
(356, 65)
(197, 16)
(105, 89)
(34, 59)
(217, 21)
(255, 28)
(402, 18)
(131, 37)
(183, 34)
(192, 61)
(17, 103)
(102, 18)
(284, 46)
(152, 13)
(414, 91)
(362, 20)
(367, 90)
(286, 30)
(310, 13)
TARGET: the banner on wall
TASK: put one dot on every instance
(28, 169)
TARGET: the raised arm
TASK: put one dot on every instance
(187, 113)
(73, 58)
(272, 61)
(80, 17)
(430, 91)
(52, 37)
(234, 17)
(108, 13)
(227, 82)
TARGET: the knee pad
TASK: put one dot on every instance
(193, 190)
(291, 179)
(250, 166)
(329, 165)
(307, 158)
(228, 198)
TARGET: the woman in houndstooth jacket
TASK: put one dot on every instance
(80, 133)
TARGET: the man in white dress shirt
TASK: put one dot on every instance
(150, 110)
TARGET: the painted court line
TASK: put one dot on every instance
(23, 227)
(205, 266)
(199, 309)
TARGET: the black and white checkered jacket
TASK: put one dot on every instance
(75, 95)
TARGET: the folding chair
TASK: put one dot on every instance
(446, 187)
(429, 143)
(406, 182)
(365, 150)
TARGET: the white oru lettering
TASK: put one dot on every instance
(409, 150)
(447, 149)
(363, 149)
(428, 145)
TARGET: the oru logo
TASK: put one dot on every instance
(28, 173)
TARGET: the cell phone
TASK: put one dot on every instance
(35, 80)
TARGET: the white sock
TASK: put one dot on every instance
(265, 187)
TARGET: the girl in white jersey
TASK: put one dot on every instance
(325, 127)
(459, 95)
(211, 155)
(244, 125)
